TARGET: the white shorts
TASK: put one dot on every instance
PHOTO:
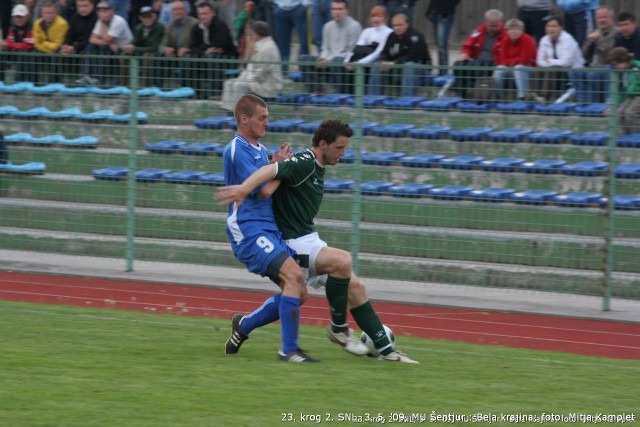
(310, 245)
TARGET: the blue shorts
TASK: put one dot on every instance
(259, 252)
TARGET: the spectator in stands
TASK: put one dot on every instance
(339, 38)
(371, 41)
(49, 33)
(165, 10)
(62, 7)
(479, 50)
(211, 39)
(579, 17)
(263, 76)
(518, 51)
(146, 42)
(20, 39)
(629, 34)
(110, 34)
(287, 15)
(320, 15)
(558, 49)
(5, 18)
(629, 109)
(226, 11)
(134, 8)
(176, 42)
(394, 7)
(442, 13)
(406, 46)
(80, 28)
(595, 51)
(533, 14)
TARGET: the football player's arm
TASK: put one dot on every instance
(237, 193)
(269, 188)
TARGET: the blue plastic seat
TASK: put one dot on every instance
(519, 107)
(410, 190)
(578, 199)
(375, 188)
(149, 91)
(631, 141)
(77, 90)
(394, 130)
(31, 168)
(550, 136)
(114, 173)
(510, 135)
(421, 160)
(591, 109)
(450, 192)
(471, 134)
(199, 148)
(47, 89)
(383, 158)
(403, 102)
(17, 138)
(8, 110)
(295, 76)
(181, 92)
(562, 108)
(626, 202)
(151, 175)
(214, 122)
(534, 197)
(115, 90)
(46, 140)
(368, 100)
(440, 104)
(543, 166)
(309, 127)
(440, 81)
(164, 147)
(81, 141)
(366, 127)
(349, 156)
(229, 74)
(472, 107)
(590, 138)
(97, 115)
(336, 185)
(491, 194)
(68, 113)
(461, 162)
(212, 178)
(285, 125)
(183, 177)
(31, 113)
(331, 99)
(586, 168)
(17, 87)
(292, 98)
(502, 164)
(142, 117)
(430, 132)
(629, 170)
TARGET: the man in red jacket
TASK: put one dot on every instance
(517, 50)
(479, 50)
(19, 39)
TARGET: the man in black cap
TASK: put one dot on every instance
(146, 40)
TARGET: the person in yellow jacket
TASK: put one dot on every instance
(49, 33)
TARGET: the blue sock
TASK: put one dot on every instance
(268, 312)
(290, 320)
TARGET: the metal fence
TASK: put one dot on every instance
(456, 184)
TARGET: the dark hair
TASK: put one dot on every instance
(554, 18)
(329, 131)
(626, 16)
(346, 4)
(619, 55)
(247, 105)
(260, 28)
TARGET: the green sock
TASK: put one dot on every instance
(368, 320)
(337, 290)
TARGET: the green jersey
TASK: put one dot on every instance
(297, 200)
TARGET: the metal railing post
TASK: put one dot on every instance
(134, 72)
(356, 213)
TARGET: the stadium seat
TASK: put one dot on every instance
(403, 102)
(32, 113)
(550, 136)
(17, 87)
(331, 99)
(126, 118)
(212, 178)
(630, 170)
(18, 138)
(183, 177)
(375, 188)
(31, 168)
(543, 166)
(430, 132)
(472, 107)
(349, 156)
(66, 114)
(292, 98)
(578, 199)
(626, 202)
(47, 89)
(383, 158)
(562, 108)
(440, 104)
(591, 109)
(115, 90)
(80, 142)
(590, 138)
(8, 110)
(214, 122)
(440, 81)
(149, 91)
(367, 100)
(335, 185)
(491, 194)
(114, 173)
(309, 127)
(421, 160)
(366, 127)
(151, 175)
(502, 164)
(285, 125)
(461, 162)
(534, 197)
(450, 192)
(509, 135)
(96, 116)
(164, 147)
(630, 141)
(199, 148)
(515, 107)
(295, 76)
(471, 134)
(394, 130)
(46, 140)
(181, 92)
(586, 168)
(410, 190)
(77, 90)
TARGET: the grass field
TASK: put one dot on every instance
(66, 366)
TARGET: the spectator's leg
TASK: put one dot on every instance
(411, 77)
(310, 75)
(375, 81)
(534, 22)
(299, 16)
(320, 15)
(461, 73)
(633, 115)
(283, 27)
(232, 92)
(521, 78)
(500, 75)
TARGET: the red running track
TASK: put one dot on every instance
(580, 336)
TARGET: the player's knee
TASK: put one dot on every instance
(344, 264)
(357, 292)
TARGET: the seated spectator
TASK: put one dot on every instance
(629, 109)
(371, 40)
(146, 42)
(49, 33)
(578, 16)
(595, 50)
(533, 14)
(211, 39)
(263, 75)
(164, 8)
(442, 13)
(557, 50)
(19, 39)
(339, 38)
(479, 50)
(75, 43)
(629, 34)
(406, 46)
(175, 44)
(109, 36)
(518, 51)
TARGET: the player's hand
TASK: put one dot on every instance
(229, 194)
(284, 152)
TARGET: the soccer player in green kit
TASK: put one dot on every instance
(297, 189)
